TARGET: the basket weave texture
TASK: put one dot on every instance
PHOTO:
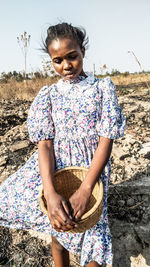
(66, 182)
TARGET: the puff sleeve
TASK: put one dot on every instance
(111, 122)
(39, 122)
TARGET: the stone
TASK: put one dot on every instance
(2, 161)
(130, 202)
(4, 175)
(136, 187)
(121, 203)
(145, 218)
(138, 261)
(19, 145)
(118, 153)
(145, 150)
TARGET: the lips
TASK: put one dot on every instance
(69, 75)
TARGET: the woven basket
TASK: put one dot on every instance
(66, 182)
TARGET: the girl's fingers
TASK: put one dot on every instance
(78, 215)
(56, 224)
(68, 227)
(63, 217)
(67, 209)
(58, 230)
(59, 227)
(75, 211)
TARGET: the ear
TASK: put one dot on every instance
(83, 51)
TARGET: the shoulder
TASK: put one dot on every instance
(45, 90)
(106, 86)
(105, 82)
(41, 103)
(44, 94)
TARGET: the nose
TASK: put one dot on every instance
(67, 65)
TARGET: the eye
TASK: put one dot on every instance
(57, 60)
(72, 57)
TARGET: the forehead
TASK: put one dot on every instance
(61, 47)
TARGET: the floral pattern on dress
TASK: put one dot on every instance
(74, 114)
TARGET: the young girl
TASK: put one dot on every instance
(74, 123)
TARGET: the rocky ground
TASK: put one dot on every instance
(130, 163)
(130, 156)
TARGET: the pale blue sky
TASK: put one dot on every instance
(114, 27)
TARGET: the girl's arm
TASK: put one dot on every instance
(80, 198)
(99, 161)
(58, 210)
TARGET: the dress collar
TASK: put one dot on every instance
(80, 80)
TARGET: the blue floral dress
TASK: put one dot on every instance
(74, 114)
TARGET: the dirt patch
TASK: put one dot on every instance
(130, 162)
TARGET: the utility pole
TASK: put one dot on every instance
(24, 41)
(94, 69)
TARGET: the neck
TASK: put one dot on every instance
(83, 74)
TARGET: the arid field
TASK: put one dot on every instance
(27, 90)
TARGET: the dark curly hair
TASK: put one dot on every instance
(63, 30)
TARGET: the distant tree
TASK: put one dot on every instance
(19, 77)
(37, 75)
(15, 74)
(115, 72)
(4, 77)
(126, 73)
(24, 41)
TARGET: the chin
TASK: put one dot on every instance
(70, 77)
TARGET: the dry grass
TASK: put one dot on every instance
(28, 90)
(132, 79)
(25, 90)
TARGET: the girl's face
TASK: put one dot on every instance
(67, 58)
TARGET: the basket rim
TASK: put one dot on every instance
(71, 168)
(98, 183)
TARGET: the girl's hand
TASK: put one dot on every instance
(79, 201)
(59, 213)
